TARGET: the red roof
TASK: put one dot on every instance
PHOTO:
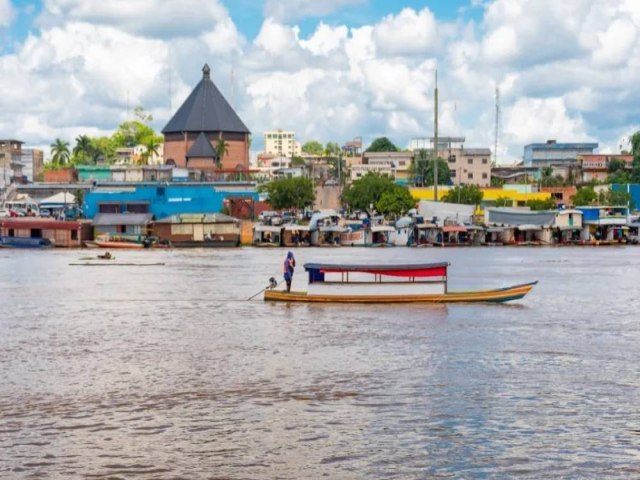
(454, 228)
(40, 223)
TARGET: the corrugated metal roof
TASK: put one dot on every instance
(201, 148)
(205, 110)
(198, 218)
(103, 219)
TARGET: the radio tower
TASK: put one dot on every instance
(497, 127)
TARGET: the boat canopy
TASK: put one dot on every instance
(382, 228)
(289, 227)
(454, 228)
(317, 270)
(267, 228)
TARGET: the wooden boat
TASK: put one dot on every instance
(24, 242)
(117, 244)
(408, 283)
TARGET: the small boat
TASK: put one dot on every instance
(24, 242)
(408, 283)
(107, 241)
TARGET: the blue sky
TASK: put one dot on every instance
(329, 69)
(248, 15)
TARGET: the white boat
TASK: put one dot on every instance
(326, 229)
(267, 235)
(403, 283)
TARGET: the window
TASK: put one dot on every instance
(470, 176)
(74, 235)
(484, 175)
(452, 159)
(484, 161)
(401, 163)
(470, 161)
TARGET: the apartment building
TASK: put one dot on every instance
(469, 166)
(283, 143)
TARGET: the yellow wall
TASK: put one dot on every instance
(490, 194)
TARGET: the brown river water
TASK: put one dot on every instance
(168, 372)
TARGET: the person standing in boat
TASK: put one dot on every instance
(289, 266)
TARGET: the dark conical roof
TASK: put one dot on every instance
(201, 148)
(205, 110)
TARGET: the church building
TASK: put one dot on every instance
(204, 119)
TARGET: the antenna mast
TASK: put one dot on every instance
(435, 141)
(497, 127)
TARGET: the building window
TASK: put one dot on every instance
(74, 235)
(401, 163)
(470, 176)
(470, 161)
(484, 175)
(452, 159)
(484, 161)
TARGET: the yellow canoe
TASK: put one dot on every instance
(500, 295)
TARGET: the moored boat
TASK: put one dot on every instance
(406, 283)
(24, 242)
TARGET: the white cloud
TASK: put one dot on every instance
(283, 10)
(408, 33)
(7, 13)
(157, 18)
(533, 120)
(566, 70)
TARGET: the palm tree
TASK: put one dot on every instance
(60, 152)
(151, 147)
(222, 149)
(546, 176)
(83, 148)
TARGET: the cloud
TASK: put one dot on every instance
(566, 70)
(407, 33)
(7, 13)
(285, 10)
(155, 18)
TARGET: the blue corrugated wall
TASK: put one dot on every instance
(633, 189)
(163, 200)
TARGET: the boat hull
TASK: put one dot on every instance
(501, 295)
(110, 244)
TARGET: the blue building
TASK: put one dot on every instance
(164, 200)
(632, 189)
(552, 153)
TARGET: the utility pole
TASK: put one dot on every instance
(435, 142)
(497, 126)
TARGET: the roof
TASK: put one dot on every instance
(61, 198)
(39, 223)
(476, 151)
(103, 219)
(412, 270)
(201, 148)
(198, 218)
(205, 110)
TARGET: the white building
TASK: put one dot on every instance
(383, 168)
(279, 142)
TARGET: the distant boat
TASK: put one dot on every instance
(24, 242)
(406, 283)
(106, 241)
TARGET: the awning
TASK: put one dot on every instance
(110, 219)
(496, 229)
(291, 227)
(423, 226)
(529, 228)
(567, 228)
(454, 228)
(267, 228)
(382, 228)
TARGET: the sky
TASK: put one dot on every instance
(329, 70)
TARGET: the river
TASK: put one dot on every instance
(167, 372)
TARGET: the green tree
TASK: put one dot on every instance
(396, 201)
(584, 196)
(132, 133)
(547, 179)
(142, 115)
(104, 147)
(382, 144)
(366, 191)
(465, 194)
(332, 149)
(313, 147)
(634, 177)
(60, 152)
(619, 198)
(291, 193)
(297, 161)
(151, 148)
(497, 182)
(541, 204)
(222, 149)
(504, 202)
(421, 170)
(83, 151)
